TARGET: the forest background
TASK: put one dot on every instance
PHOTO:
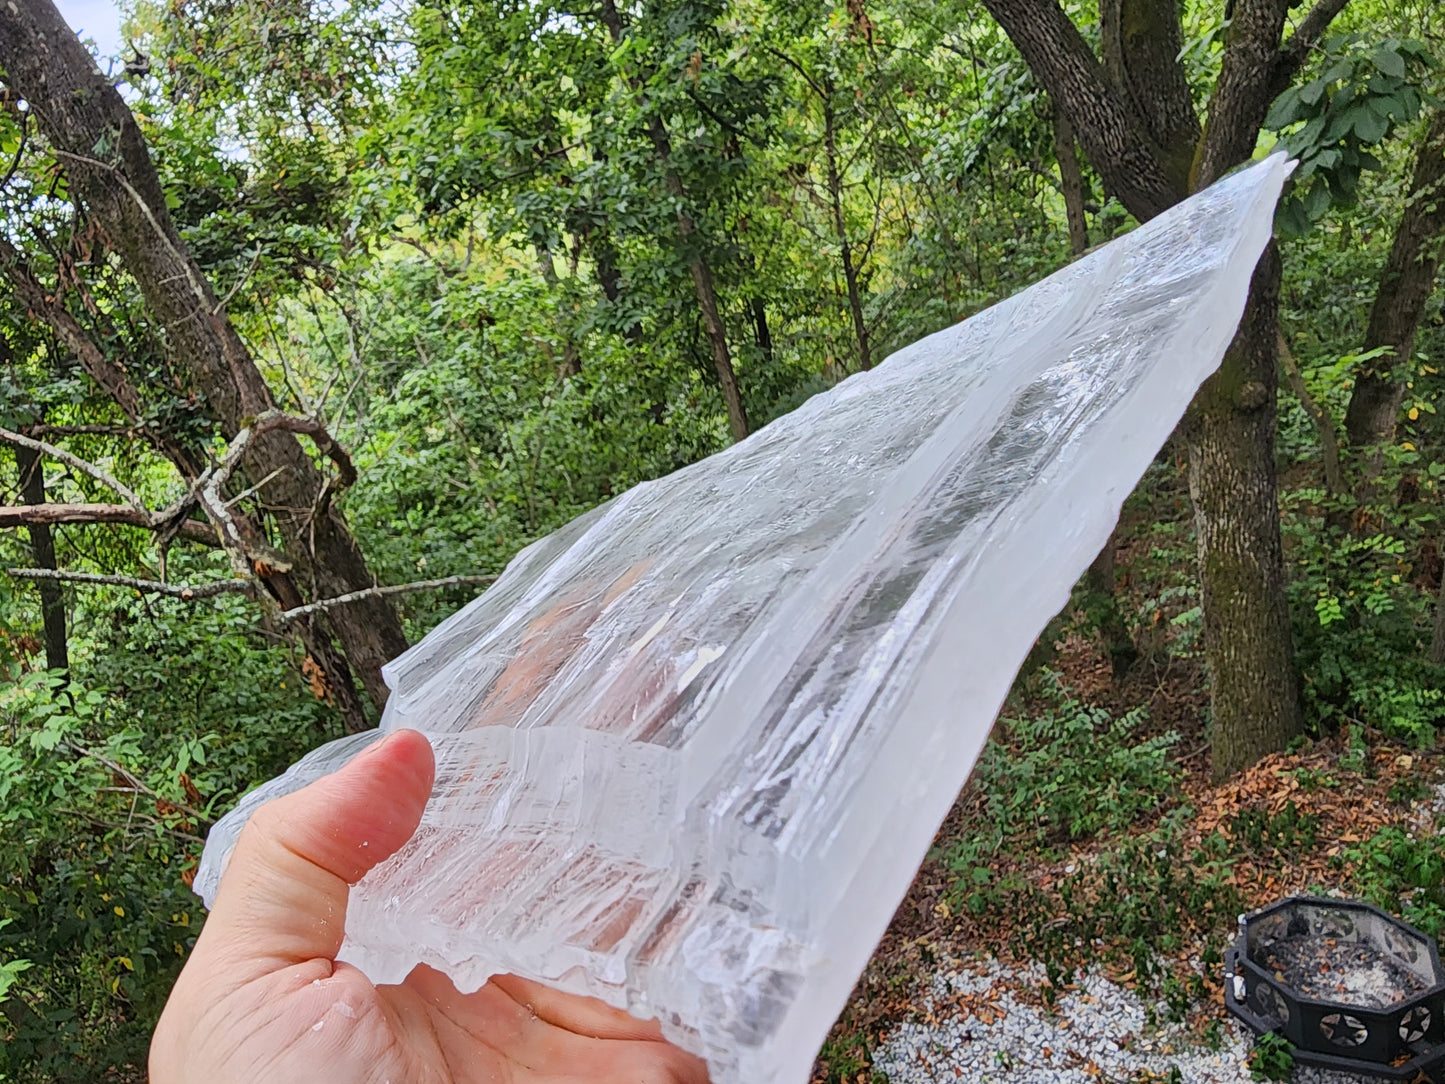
(301, 299)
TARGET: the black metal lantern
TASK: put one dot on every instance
(1351, 987)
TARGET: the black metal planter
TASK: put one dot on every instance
(1351, 987)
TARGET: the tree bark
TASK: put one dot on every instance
(32, 514)
(1241, 97)
(1437, 640)
(42, 549)
(97, 140)
(1142, 40)
(1104, 123)
(1405, 286)
(697, 265)
(762, 334)
(1102, 603)
(840, 227)
(315, 636)
(1071, 182)
(1249, 644)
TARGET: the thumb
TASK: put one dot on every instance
(282, 899)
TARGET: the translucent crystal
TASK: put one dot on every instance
(692, 747)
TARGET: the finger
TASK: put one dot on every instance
(583, 1015)
(282, 899)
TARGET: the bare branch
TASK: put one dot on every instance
(255, 259)
(184, 592)
(75, 430)
(274, 419)
(26, 515)
(78, 463)
(145, 818)
(133, 784)
(382, 592)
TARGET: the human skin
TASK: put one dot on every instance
(262, 999)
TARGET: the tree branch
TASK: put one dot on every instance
(1063, 63)
(382, 592)
(79, 464)
(1241, 97)
(26, 515)
(186, 593)
(1307, 35)
(81, 430)
(1329, 442)
(311, 427)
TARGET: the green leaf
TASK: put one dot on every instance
(1285, 110)
(1340, 125)
(1389, 62)
(1291, 220)
(1369, 125)
(1317, 202)
(1312, 92)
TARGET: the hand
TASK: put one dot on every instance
(262, 999)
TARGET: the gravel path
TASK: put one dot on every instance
(1097, 1034)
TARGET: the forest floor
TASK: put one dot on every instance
(1098, 958)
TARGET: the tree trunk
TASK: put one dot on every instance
(1102, 603)
(1405, 286)
(1241, 97)
(1142, 40)
(1437, 641)
(840, 227)
(762, 335)
(188, 462)
(1103, 121)
(1248, 640)
(697, 265)
(42, 548)
(1071, 182)
(712, 322)
(97, 141)
(1231, 424)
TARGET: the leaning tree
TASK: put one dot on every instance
(113, 183)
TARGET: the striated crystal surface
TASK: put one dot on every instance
(692, 747)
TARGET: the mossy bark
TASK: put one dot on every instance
(1254, 696)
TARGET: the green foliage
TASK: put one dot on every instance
(1036, 788)
(106, 790)
(1038, 792)
(1364, 91)
(1272, 1058)
(451, 232)
(1361, 623)
(1404, 874)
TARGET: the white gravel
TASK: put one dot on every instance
(1096, 1034)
